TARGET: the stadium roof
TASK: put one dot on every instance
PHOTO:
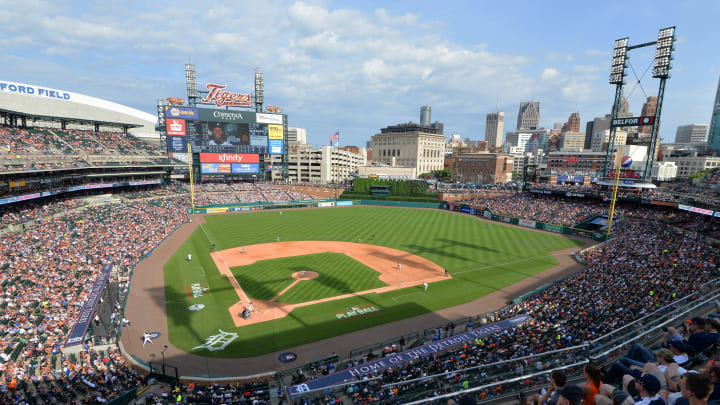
(51, 118)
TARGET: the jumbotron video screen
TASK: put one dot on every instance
(223, 131)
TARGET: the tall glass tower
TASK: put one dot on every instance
(714, 131)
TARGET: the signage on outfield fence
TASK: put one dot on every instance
(632, 121)
(397, 359)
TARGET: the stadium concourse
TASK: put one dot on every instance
(658, 257)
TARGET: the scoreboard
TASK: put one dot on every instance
(223, 131)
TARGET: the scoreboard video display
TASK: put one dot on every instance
(224, 131)
(229, 163)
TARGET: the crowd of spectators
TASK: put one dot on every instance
(46, 272)
(656, 256)
(255, 393)
(34, 210)
(648, 264)
(550, 209)
(26, 149)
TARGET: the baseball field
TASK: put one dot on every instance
(317, 273)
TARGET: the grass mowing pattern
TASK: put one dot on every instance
(338, 274)
(482, 258)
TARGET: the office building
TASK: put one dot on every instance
(528, 115)
(692, 133)
(494, 123)
(518, 138)
(648, 110)
(572, 141)
(572, 124)
(600, 140)
(482, 168)
(714, 131)
(409, 145)
(425, 115)
(296, 135)
(689, 165)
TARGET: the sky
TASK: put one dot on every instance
(358, 66)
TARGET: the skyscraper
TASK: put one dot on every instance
(648, 110)
(714, 132)
(494, 123)
(528, 115)
(425, 115)
(573, 124)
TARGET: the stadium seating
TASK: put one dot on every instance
(52, 148)
(659, 265)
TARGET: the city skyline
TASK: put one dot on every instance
(362, 67)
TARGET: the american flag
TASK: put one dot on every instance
(335, 136)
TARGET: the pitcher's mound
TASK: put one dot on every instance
(309, 275)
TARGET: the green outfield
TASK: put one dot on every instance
(482, 258)
(338, 274)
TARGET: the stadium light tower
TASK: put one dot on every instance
(259, 91)
(617, 77)
(191, 83)
(661, 70)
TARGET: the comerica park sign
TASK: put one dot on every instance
(632, 121)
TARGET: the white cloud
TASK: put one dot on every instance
(549, 74)
(342, 62)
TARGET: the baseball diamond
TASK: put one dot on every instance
(349, 289)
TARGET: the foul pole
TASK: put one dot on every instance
(616, 167)
(192, 178)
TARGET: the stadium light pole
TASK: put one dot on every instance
(617, 77)
(259, 91)
(191, 83)
(664, 48)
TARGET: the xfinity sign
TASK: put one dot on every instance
(632, 121)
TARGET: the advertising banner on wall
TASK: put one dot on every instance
(468, 210)
(229, 158)
(215, 168)
(276, 146)
(526, 223)
(269, 118)
(398, 359)
(275, 132)
(75, 337)
(245, 167)
(181, 112)
(175, 126)
(176, 143)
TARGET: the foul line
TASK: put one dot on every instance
(206, 234)
(405, 295)
(500, 264)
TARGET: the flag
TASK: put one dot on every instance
(256, 69)
(335, 136)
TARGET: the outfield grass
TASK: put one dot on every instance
(481, 259)
(338, 274)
